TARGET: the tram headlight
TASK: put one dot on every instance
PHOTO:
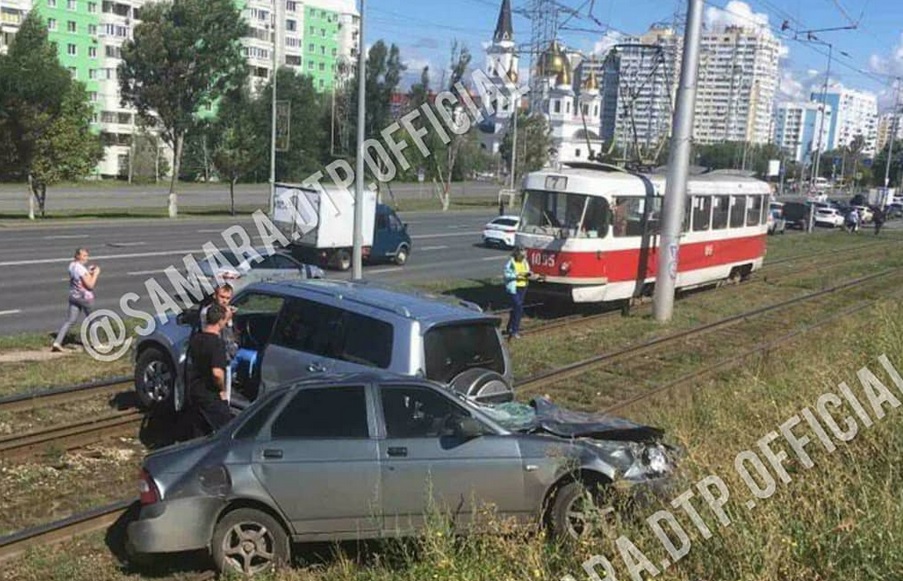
(565, 267)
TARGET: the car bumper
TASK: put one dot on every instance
(173, 526)
(498, 239)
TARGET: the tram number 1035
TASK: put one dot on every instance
(543, 259)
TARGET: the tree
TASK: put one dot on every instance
(879, 165)
(238, 145)
(445, 153)
(308, 137)
(148, 161)
(67, 149)
(183, 56)
(44, 115)
(534, 140)
(197, 152)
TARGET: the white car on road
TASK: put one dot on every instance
(865, 214)
(501, 231)
(830, 217)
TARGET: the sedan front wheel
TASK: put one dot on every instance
(577, 511)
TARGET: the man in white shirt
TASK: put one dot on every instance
(82, 280)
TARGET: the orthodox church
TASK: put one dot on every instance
(573, 111)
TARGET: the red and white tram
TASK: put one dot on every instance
(591, 231)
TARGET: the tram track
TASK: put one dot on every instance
(100, 518)
(624, 375)
(75, 435)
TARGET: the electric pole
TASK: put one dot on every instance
(678, 167)
(273, 111)
(893, 136)
(357, 250)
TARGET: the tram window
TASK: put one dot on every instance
(738, 211)
(720, 211)
(627, 216)
(702, 213)
(753, 210)
(596, 219)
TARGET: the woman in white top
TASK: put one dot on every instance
(82, 280)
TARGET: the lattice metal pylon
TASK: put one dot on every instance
(543, 15)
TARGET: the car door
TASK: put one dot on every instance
(424, 468)
(319, 461)
(301, 341)
(313, 337)
(382, 237)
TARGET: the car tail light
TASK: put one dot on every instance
(147, 488)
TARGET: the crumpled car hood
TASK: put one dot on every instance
(541, 415)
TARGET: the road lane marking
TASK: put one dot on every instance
(65, 236)
(382, 270)
(125, 244)
(428, 248)
(101, 257)
(146, 272)
(492, 258)
(10, 312)
(427, 236)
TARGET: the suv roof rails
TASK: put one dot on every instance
(397, 309)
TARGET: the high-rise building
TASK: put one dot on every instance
(796, 129)
(886, 125)
(738, 77)
(856, 113)
(639, 78)
(319, 38)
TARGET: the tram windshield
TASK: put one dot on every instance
(565, 215)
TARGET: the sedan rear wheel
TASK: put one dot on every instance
(249, 542)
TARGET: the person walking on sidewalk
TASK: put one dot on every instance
(82, 280)
(517, 276)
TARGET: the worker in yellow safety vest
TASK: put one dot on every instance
(517, 276)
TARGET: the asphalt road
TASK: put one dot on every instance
(34, 260)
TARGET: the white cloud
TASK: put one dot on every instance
(608, 40)
(735, 13)
(890, 64)
(790, 88)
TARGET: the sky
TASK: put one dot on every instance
(424, 30)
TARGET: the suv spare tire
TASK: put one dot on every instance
(483, 385)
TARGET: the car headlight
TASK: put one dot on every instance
(655, 458)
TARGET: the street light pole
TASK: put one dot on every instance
(678, 167)
(273, 113)
(821, 124)
(357, 250)
(893, 136)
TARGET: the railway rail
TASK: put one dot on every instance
(99, 518)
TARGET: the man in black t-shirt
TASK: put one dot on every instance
(207, 372)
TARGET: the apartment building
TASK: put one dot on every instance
(856, 114)
(319, 38)
(796, 129)
(738, 78)
(886, 125)
(638, 82)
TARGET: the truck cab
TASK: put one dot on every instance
(391, 240)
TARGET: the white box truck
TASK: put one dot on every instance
(319, 222)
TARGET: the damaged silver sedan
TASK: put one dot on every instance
(374, 455)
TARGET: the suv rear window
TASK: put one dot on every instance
(451, 349)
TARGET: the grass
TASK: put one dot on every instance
(840, 519)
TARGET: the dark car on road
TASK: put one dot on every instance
(796, 215)
(374, 455)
